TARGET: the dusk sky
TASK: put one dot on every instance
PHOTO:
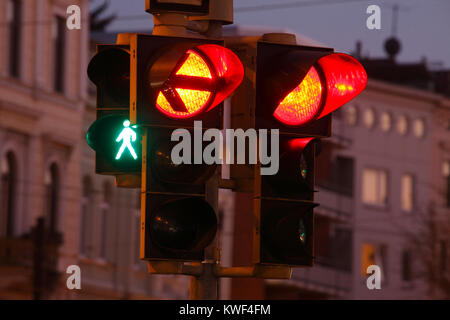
(423, 27)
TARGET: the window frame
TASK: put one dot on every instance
(377, 204)
(413, 192)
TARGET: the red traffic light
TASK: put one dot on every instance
(202, 79)
(333, 81)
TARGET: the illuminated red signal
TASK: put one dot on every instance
(301, 104)
(344, 78)
(204, 77)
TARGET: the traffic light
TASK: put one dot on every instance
(175, 82)
(116, 142)
(292, 89)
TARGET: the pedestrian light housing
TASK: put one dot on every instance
(116, 142)
(109, 70)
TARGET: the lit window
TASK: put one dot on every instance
(369, 118)
(374, 187)
(407, 192)
(386, 121)
(419, 128)
(367, 257)
(402, 125)
(374, 254)
(446, 168)
(351, 115)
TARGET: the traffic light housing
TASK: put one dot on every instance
(292, 89)
(116, 142)
(175, 82)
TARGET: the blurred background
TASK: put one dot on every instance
(383, 177)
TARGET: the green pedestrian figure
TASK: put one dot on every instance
(127, 135)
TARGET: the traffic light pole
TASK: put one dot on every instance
(205, 286)
(205, 276)
(204, 283)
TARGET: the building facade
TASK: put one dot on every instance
(382, 181)
(42, 96)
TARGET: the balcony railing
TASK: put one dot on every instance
(37, 252)
(334, 205)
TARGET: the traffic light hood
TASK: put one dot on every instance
(109, 69)
(303, 84)
(316, 87)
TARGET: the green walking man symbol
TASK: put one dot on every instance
(127, 135)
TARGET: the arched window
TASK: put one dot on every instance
(105, 208)
(7, 199)
(51, 181)
(86, 205)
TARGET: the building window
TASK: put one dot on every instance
(86, 205)
(374, 254)
(13, 18)
(105, 208)
(385, 122)
(406, 265)
(407, 192)
(51, 181)
(374, 187)
(369, 118)
(7, 188)
(351, 115)
(419, 128)
(343, 169)
(59, 40)
(402, 125)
